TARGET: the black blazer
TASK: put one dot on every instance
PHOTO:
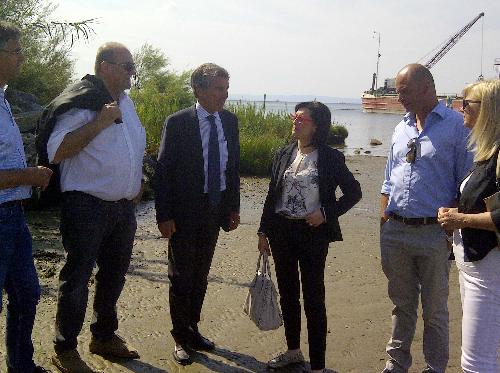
(332, 172)
(482, 183)
(180, 177)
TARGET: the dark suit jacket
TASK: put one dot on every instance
(180, 176)
(332, 172)
(482, 183)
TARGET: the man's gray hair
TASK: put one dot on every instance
(203, 75)
(8, 31)
(106, 52)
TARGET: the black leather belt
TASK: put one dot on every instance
(289, 217)
(11, 203)
(414, 221)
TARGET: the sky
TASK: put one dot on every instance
(297, 47)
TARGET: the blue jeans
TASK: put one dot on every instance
(19, 279)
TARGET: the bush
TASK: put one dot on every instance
(256, 153)
(153, 108)
(337, 135)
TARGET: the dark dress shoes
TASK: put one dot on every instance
(181, 356)
(198, 342)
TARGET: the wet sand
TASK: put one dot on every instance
(359, 311)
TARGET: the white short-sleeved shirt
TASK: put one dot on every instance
(110, 166)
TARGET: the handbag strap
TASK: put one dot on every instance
(263, 265)
(498, 170)
(258, 263)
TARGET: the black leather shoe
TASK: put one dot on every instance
(198, 342)
(39, 369)
(181, 355)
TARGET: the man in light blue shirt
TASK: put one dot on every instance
(427, 161)
(17, 271)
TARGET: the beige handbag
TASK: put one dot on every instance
(262, 300)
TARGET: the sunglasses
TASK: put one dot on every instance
(466, 103)
(412, 152)
(299, 119)
(17, 51)
(127, 66)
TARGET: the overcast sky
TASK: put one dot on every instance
(297, 47)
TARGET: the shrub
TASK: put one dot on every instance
(337, 135)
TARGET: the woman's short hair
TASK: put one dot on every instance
(322, 118)
(485, 135)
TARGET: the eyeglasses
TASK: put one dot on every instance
(299, 119)
(127, 66)
(412, 152)
(466, 103)
(17, 51)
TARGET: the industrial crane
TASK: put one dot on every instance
(451, 42)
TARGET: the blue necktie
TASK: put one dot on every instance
(213, 164)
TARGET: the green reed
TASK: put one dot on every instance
(262, 133)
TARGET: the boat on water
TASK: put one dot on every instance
(385, 99)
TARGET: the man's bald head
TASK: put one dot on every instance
(416, 89)
(418, 73)
(107, 52)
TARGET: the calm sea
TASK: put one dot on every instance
(362, 126)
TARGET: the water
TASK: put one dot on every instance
(362, 126)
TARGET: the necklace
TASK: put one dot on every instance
(310, 145)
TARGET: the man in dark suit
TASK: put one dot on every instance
(197, 193)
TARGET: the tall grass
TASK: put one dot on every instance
(261, 133)
(153, 108)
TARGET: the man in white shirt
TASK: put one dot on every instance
(100, 154)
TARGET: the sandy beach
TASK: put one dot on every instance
(359, 311)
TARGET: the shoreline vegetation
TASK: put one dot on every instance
(262, 132)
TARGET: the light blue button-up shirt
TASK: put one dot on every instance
(12, 155)
(418, 189)
(205, 137)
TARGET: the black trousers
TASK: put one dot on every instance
(93, 231)
(190, 253)
(294, 244)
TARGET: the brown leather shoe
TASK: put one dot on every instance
(71, 362)
(113, 347)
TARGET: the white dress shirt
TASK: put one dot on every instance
(205, 137)
(110, 166)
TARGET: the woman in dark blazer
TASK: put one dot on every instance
(474, 241)
(299, 220)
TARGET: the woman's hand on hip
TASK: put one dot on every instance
(315, 218)
(263, 245)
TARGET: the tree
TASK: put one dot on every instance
(48, 67)
(158, 92)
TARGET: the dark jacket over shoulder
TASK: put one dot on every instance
(482, 183)
(89, 93)
(180, 178)
(332, 172)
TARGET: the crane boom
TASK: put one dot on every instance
(451, 42)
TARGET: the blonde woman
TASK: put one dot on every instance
(474, 240)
